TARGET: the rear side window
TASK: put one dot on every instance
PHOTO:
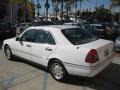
(51, 39)
(44, 37)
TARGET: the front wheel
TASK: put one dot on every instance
(8, 53)
(57, 71)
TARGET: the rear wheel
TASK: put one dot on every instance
(57, 70)
(8, 53)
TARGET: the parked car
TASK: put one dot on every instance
(22, 27)
(104, 30)
(62, 49)
(6, 31)
(117, 44)
(25, 25)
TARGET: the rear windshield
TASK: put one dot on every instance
(78, 36)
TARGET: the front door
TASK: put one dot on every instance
(22, 47)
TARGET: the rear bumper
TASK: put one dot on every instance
(86, 71)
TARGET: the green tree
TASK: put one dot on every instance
(116, 3)
(102, 14)
(25, 7)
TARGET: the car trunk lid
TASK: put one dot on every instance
(104, 48)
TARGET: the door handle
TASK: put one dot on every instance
(28, 45)
(48, 49)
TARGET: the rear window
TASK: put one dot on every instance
(78, 36)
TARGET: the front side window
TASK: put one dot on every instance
(44, 37)
(78, 36)
(29, 35)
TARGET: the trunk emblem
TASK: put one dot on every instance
(106, 52)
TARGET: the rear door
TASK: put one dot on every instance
(43, 46)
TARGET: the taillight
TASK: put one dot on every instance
(92, 56)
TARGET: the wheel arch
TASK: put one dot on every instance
(5, 46)
(54, 59)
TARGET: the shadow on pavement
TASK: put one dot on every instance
(109, 79)
(33, 64)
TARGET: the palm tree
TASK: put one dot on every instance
(25, 6)
(116, 3)
(55, 5)
(38, 8)
(68, 4)
(81, 4)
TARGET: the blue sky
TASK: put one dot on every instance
(85, 4)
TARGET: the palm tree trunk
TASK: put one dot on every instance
(25, 4)
(62, 10)
(24, 15)
(46, 17)
(75, 10)
(56, 6)
(37, 8)
(11, 11)
(119, 14)
(80, 8)
(32, 16)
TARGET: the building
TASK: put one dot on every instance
(9, 12)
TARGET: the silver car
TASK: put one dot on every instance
(117, 44)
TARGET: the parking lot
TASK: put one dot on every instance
(20, 75)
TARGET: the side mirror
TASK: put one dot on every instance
(17, 38)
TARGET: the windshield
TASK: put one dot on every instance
(78, 36)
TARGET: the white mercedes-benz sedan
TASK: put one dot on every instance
(62, 49)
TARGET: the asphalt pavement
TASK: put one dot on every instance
(21, 75)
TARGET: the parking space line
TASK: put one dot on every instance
(18, 76)
(44, 84)
(84, 88)
(26, 80)
(8, 82)
(3, 88)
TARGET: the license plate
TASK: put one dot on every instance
(106, 52)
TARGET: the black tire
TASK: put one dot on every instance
(8, 52)
(57, 70)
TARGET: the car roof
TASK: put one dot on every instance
(60, 27)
